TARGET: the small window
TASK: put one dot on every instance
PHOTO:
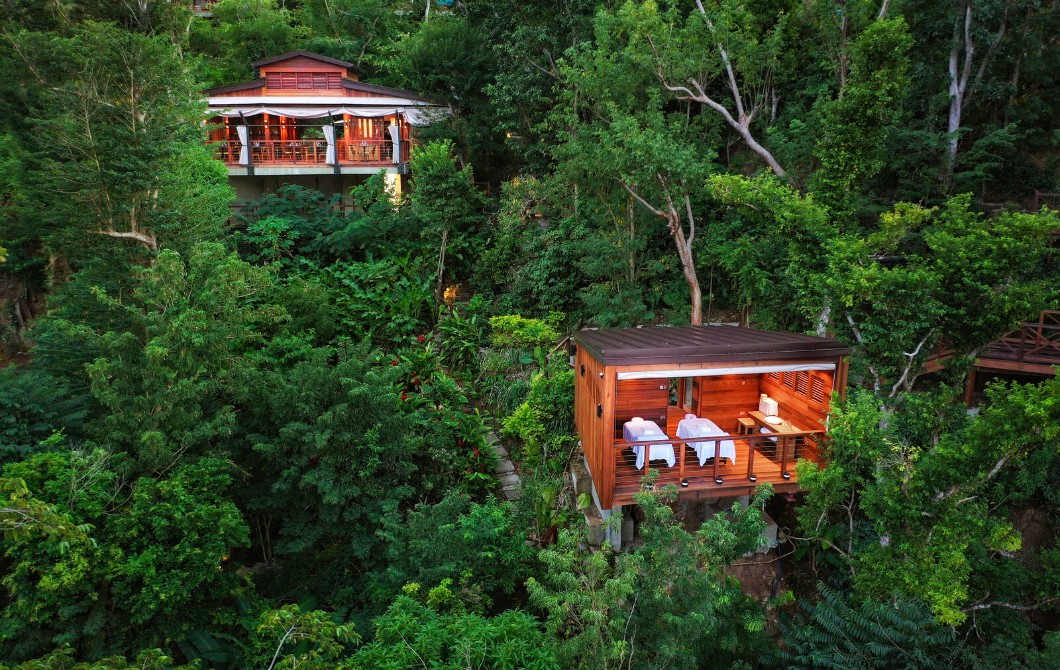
(817, 389)
(775, 376)
(789, 379)
(802, 383)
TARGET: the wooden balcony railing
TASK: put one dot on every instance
(203, 6)
(758, 459)
(1033, 342)
(311, 152)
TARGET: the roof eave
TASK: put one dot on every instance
(307, 54)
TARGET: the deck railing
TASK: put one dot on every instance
(203, 5)
(766, 461)
(1033, 342)
(310, 152)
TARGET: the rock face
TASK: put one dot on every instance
(505, 471)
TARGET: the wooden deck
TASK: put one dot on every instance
(1033, 347)
(769, 465)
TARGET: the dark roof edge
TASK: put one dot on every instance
(823, 349)
(307, 54)
(233, 88)
(376, 88)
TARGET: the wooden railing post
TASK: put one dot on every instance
(680, 463)
(752, 446)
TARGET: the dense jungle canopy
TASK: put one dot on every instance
(265, 439)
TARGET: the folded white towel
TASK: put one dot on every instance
(690, 416)
(636, 419)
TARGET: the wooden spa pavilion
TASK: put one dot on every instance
(685, 401)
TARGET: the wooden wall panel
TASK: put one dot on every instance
(724, 398)
(588, 395)
(646, 398)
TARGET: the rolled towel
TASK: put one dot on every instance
(636, 419)
(690, 416)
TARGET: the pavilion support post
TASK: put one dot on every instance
(969, 387)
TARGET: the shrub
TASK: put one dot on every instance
(516, 332)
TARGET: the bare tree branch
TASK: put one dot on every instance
(909, 365)
(145, 239)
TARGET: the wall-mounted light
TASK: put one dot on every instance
(601, 375)
(684, 483)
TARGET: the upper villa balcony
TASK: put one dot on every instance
(311, 114)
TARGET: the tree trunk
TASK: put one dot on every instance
(441, 264)
(688, 269)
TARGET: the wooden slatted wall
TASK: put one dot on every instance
(589, 393)
(803, 396)
(724, 398)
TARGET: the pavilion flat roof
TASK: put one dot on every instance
(654, 345)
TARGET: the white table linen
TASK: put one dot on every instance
(648, 431)
(693, 427)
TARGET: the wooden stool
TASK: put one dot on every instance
(744, 426)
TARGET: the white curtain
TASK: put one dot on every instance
(244, 140)
(414, 116)
(329, 135)
(395, 137)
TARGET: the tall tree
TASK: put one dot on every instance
(116, 153)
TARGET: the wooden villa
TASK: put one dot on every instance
(308, 119)
(687, 401)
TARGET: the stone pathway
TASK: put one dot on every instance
(505, 471)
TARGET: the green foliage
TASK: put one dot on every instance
(852, 147)
(485, 549)
(516, 332)
(387, 300)
(180, 532)
(663, 604)
(290, 638)
(64, 659)
(948, 273)
(900, 635)
(161, 380)
(463, 339)
(156, 556)
(241, 32)
(779, 278)
(544, 423)
(441, 633)
(119, 164)
(934, 488)
(447, 205)
(33, 406)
